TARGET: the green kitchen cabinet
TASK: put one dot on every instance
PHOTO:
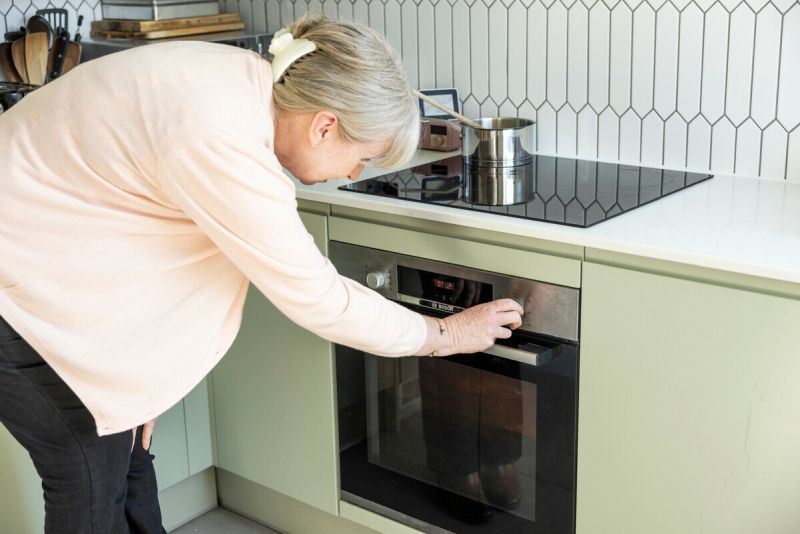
(274, 402)
(689, 407)
(182, 440)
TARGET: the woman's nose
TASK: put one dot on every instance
(356, 172)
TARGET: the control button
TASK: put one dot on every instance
(377, 279)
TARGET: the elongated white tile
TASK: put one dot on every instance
(608, 136)
(259, 17)
(314, 6)
(587, 133)
(526, 111)
(426, 47)
(748, 149)
(443, 44)
(599, 43)
(578, 60)
(537, 54)
(765, 65)
(409, 41)
(377, 16)
(273, 16)
(489, 108)
(675, 132)
(472, 108)
(690, 62)
(698, 145)
(507, 109)
(740, 61)
(630, 137)
(666, 66)
(517, 53)
(557, 55)
(361, 11)
(784, 5)
(546, 122)
(287, 14)
(498, 52)
(330, 8)
(789, 89)
(723, 147)
(567, 135)
(715, 51)
(652, 139)
(393, 26)
(793, 163)
(479, 26)
(757, 4)
(344, 10)
(620, 89)
(643, 74)
(461, 64)
(773, 152)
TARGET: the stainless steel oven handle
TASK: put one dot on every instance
(518, 355)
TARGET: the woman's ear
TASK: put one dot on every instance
(324, 125)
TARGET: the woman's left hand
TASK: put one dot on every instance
(147, 433)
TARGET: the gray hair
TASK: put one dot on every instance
(356, 75)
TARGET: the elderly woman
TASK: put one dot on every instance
(138, 196)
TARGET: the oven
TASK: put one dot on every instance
(467, 443)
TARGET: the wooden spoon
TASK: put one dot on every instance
(459, 116)
(18, 55)
(7, 63)
(72, 58)
(36, 57)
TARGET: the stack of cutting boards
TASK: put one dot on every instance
(160, 29)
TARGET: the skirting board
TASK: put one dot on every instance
(277, 511)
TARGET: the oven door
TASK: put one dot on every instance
(468, 443)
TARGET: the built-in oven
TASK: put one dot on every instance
(467, 443)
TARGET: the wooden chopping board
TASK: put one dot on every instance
(161, 34)
(141, 26)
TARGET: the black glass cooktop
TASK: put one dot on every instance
(557, 190)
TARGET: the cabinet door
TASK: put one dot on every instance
(21, 499)
(169, 447)
(274, 404)
(689, 408)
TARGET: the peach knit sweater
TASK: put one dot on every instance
(138, 194)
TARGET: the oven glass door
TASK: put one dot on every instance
(467, 443)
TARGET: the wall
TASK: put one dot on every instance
(704, 84)
(14, 13)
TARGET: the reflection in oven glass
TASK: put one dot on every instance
(459, 428)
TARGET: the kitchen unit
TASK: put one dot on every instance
(687, 404)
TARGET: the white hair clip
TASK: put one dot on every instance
(285, 50)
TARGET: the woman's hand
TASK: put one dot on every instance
(147, 433)
(472, 330)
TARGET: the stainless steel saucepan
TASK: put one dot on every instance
(499, 142)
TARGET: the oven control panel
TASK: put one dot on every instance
(550, 310)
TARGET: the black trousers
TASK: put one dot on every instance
(91, 484)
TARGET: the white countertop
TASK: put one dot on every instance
(743, 225)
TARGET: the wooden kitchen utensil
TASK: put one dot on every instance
(18, 56)
(36, 57)
(72, 58)
(7, 63)
(459, 116)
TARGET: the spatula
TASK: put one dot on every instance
(7, 63)
(18, 56)
(72, 58)
(36, 57)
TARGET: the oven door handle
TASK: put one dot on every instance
(519, 355)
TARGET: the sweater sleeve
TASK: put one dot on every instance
(236, 192)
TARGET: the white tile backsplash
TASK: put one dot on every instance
(700, 84)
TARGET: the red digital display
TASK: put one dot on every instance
(444, 284)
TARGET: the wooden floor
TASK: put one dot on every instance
(221, 521)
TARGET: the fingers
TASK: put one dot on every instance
(147, 433)
(508, 305)
(512, 319)
(503, 333)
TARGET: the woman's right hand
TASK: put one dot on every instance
(472, 330)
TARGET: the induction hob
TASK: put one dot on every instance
(558, 190)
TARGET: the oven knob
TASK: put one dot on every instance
(377, 279)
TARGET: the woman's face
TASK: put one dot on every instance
(310, 146)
